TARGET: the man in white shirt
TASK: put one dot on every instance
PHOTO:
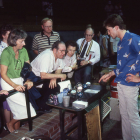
(89, 54)
(48, 65)
(70, 58)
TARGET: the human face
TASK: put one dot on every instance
(60, 53)
(89, 35)
(20, 43)
(47, 27)
(112, 31)
(71, 50)
(5, 37)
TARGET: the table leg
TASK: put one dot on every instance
(80, 124)
(61, 115)
(101, 113)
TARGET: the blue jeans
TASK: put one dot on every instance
(83, 74)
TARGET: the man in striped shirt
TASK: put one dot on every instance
(46, 38)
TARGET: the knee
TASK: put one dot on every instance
(87, 74)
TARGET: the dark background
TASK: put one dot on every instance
(68, 13)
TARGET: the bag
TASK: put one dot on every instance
(26, 70)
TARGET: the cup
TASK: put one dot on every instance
(60, 98)
(66, 101)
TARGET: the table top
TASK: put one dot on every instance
(88, 97)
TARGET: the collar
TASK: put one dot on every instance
(88, 42)
(68, 56)
(42, 33)
(10, 49)
(3, 43)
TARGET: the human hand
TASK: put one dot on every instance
(82, 63)
(74, 67)
(63, 77)
(52, 83)
(19, 87)
(4, 92)
(132, 78)
(106, 77)
(29, 84)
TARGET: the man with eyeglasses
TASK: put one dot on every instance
(46, 38)
(89, 54)
(70, 58)
(48, 65)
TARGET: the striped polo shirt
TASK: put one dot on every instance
(42, 42)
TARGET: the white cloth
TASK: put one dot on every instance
(128, 105)
(68, 63)
(17, 102)
(94, 54)
(3, 45)
(45, 62)
(115, 43)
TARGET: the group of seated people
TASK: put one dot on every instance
(55, 62)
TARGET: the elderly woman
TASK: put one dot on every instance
(12, 61)
(4, 33)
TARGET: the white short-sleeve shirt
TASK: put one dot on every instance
(45, 62)
(94, 54)
(3, 45)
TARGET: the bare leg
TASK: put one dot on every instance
(7, 115)
(10, 125)
(17, 125)
(11, 115)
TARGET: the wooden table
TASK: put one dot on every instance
(89, 97)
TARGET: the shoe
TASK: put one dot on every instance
(6, 128)
(43, 111)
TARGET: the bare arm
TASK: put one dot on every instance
(8, 80)
(53, 77)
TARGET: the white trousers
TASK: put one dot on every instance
(17, 102)
(128, 104)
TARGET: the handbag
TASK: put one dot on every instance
(25, 72)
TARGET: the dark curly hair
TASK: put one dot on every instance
(114, 20)
(4, 28)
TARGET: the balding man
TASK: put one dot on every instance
(89, 54)
(46, 38)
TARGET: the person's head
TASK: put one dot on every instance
(89, 33)
(59, 49)
(47, 25)
(113, 24)
(4, 31)
(71, 47)
(103, 31)
(17, 38)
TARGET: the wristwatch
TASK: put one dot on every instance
(88, 62)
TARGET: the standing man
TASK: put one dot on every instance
(128, 64)
(46, 38)
(89, 54)
(48, 65)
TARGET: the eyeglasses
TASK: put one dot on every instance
(62, 50)
(88, 35)
(48, 26)
(18, 65)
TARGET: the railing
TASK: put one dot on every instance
(27, 102)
